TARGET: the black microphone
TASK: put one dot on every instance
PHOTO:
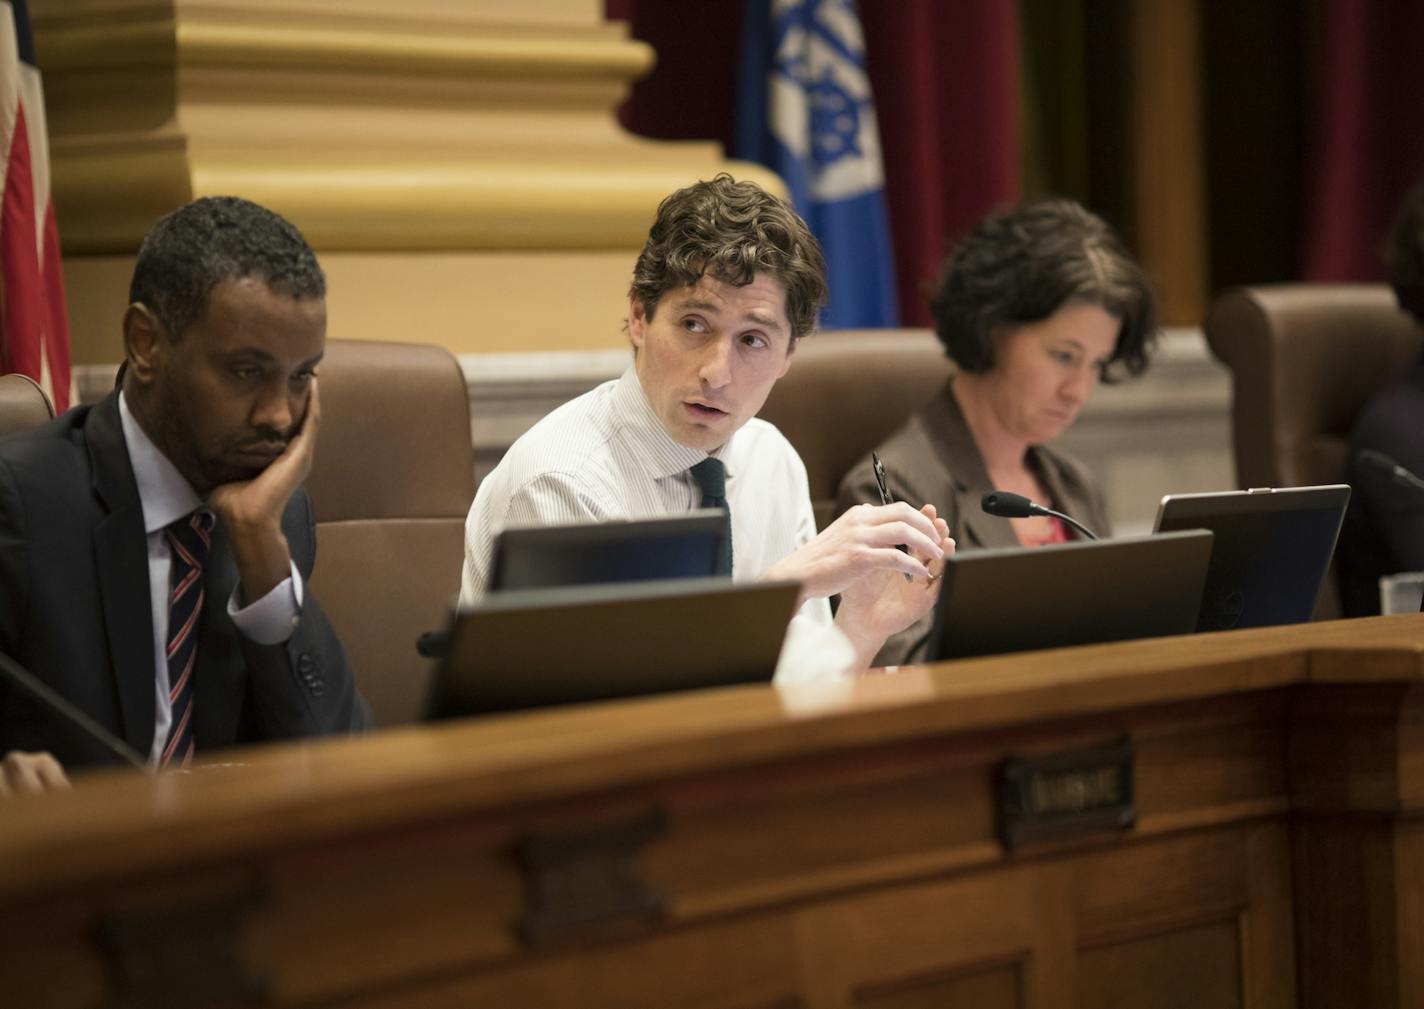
(21, 677)
(433, 644)
(1384, 465)
(1015, 506)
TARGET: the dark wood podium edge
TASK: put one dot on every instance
(124, 821)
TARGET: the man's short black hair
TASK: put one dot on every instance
(196, 247)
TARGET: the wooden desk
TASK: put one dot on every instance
(749, 849)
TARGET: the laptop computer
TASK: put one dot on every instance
(1272, 548)
(1018, 599)
(535, 648)
(680, 546)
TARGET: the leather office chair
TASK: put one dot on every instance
(23, 404)
(846, 392)
(391, 484)
(1304, 359)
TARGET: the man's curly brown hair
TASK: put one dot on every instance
(732, 231)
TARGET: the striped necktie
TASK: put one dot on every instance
(189, 539)
(711, 477)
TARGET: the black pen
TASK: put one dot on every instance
(879, 468)
(885, 496)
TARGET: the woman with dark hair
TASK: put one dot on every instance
(1035, 307)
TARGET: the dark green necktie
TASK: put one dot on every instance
(711, 476)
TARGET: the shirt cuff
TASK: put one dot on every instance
(272, 619)
(814, 651)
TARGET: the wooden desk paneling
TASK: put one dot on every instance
(824, 847)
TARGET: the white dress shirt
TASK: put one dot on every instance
(605, 456)
(166, 497)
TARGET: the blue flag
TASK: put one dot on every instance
(805, 111)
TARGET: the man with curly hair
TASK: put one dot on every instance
(728, 282)
(154, 546)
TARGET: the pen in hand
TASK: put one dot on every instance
(885, 496)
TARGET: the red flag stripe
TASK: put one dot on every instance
(34, 321)
(22, 317)
(56, 343)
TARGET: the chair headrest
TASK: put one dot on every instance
(23, 404)
(395, 433)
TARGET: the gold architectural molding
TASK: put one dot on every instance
(385, 204)
(435, 136)
(471, 129)
(229, 37)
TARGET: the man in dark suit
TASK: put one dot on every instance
(154, 546)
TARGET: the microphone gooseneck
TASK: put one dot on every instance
(18, 676)
(1008, 505)
(1383, 463)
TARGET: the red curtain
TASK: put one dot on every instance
(691, 93)
(947, 92)
(1367, 144)
(947, 95)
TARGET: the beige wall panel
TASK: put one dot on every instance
(482, 302)
(97, 289)
(471, 303)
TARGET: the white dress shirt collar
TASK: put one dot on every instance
(665, 457)
(162, 491)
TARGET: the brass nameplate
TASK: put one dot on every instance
(1066, 794)
(184, 955)
(587, 878)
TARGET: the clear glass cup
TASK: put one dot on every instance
(1401, 593)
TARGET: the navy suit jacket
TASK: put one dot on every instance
(75, 611)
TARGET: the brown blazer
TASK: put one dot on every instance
(933, 460)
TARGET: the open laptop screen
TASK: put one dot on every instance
(681, 546)
(1018, 599)
(535, 648)
(1271, 551)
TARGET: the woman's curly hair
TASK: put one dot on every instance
(1022, 266)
